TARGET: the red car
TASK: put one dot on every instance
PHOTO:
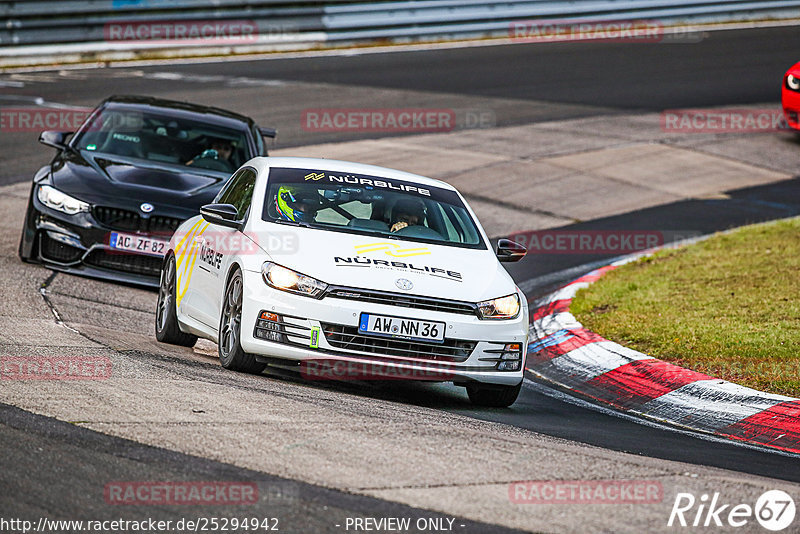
(790, 96)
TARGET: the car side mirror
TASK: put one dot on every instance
(268, 136)
(509, 251)
(221, 214)
(272, 133)
(54, 139)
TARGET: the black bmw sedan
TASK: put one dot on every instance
(108, 203)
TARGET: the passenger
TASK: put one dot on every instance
(407, 212)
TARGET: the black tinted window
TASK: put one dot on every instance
(375, 205)
(152, 136)
(239, 191)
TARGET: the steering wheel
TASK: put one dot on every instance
(213, 164)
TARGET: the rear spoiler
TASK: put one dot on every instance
(272, 133)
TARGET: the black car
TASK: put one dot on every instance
(111, 198)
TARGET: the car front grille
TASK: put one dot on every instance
(159, 224)
(349, 338)
(129, 263)
(130, 221)
(118, 219)
(57, 251)
(403, 301)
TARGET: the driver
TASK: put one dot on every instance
(407, 212)
(220, 150)
(296, 204)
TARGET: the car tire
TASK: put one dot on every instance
(167, 330)
(231, 354)
(493, 396)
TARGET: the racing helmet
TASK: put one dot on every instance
(294, 204)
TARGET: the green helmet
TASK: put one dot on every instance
(293, 204)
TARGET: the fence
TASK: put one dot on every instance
(83, 24)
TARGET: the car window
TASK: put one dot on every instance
(260, 146)
(362, 204)
(331, 216)
(452, 232)
(239, 191)
(153, 136)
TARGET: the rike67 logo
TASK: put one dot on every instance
(774, 510)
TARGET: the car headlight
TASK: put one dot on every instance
(793, 82)
(55, 199)
(500, 308)
(285, 279)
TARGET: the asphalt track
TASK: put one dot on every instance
(31, 441)
(727, 67)
(520, 83)
(538, 83)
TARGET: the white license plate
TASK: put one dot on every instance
(396, 327)
(137, 243)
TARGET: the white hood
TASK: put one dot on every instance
(377, 263)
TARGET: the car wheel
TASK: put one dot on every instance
(231, 354)
(492, 395)
(167, 330)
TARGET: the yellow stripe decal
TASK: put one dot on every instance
(388, 248)
(185, 258)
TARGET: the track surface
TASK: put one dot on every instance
(31, 441)
(725, 68)
(517, 84)
(520, 84)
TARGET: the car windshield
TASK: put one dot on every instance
(365, 204)
(135, 133)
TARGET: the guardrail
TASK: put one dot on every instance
(75, 22)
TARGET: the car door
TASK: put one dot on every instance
(187, 243)
(218, 244)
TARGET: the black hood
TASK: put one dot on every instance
(106, 180)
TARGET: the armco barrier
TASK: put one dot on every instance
(49, 22)
(564, 354)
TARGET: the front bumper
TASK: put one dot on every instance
(326, 330)
(791, 107)
(78, 244)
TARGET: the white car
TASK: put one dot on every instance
(345, 271)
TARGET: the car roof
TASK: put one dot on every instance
(208, 114)
(323, 164)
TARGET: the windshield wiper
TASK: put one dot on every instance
(292, 223)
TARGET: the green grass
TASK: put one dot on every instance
(728, 306)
